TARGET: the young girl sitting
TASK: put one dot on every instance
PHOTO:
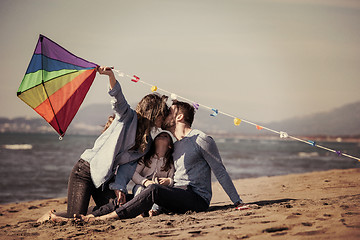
(156, 167)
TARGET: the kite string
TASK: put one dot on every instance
(282, 134)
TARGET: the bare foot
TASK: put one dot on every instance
(87, 218)
(153, 213)
(56, 218)
(45, 217)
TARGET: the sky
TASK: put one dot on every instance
(261, 60)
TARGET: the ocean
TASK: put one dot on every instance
(37, 166)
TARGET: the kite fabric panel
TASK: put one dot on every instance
(56, 83)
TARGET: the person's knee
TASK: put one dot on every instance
(153, 187)
(137, 189)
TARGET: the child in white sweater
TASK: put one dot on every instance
(156, 167)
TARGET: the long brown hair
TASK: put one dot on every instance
(168, 155)
(148, 110)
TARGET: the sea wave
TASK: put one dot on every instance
(18, 146)
(308, 154)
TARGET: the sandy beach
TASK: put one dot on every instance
(318, 205)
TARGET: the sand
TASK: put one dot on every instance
(318, 205)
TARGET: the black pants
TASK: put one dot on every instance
(175, 200)
(81, 188)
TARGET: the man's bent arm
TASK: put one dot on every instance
(211, 155)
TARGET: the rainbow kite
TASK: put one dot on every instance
(56, 83)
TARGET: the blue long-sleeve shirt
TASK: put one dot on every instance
(112, 147)
(194, 157)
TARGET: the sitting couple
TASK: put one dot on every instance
(104, 171)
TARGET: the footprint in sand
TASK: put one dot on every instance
(310, 233)
(197, 233)
(227, 228)
(307, 224)
(275, 229)
(12, 210)
(169, 233)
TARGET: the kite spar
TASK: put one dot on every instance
(56, 83)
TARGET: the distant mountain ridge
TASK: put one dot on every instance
(342, 121)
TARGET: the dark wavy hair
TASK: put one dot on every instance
(146, 160)
(148, 110)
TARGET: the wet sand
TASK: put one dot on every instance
(318, 205)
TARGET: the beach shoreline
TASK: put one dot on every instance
(316, 205)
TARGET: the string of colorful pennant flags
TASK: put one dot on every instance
(237, 120)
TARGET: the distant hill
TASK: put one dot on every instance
(342, 121)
